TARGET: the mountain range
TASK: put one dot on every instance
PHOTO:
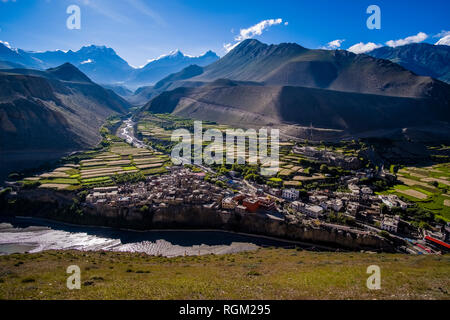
(421, 58)
(103, 65)
(44, 114)
(50, 106)
(291, 87)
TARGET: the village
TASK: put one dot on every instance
(359, 209)
(317, 185)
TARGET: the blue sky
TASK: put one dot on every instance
(140, 30)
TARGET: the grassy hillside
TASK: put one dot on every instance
(264, 274)
(243, 105)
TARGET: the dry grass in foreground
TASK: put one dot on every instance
(263, 274)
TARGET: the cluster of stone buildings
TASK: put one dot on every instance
(180, 186)
(360, 203)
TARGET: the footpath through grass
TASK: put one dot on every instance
(263, 274)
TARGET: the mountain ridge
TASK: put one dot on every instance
(103, 65)
(290, 87)
(50, 112)
(421, 58)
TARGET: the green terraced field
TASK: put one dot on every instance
(432, 181)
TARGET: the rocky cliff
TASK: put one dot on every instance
(54, 205)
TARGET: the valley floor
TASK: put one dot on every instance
(263, 274)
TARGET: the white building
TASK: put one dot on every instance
(393, 201)
(390, 223)
(290, 194)
(333, 204)
(313, 211)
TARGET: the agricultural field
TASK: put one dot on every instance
(104, 167)
(428, 187)
(295, 170)
(160, 126)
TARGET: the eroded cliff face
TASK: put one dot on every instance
(53, 205)
(198, 217)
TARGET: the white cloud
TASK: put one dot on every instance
(87, 61)
(412, 39)
(333, 45)
(363, 47)
(255, 30)
(444, 41)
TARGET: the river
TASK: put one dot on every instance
(19, 235)
(126, 132)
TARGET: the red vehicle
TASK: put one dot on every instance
(424, 248)
(438, 243)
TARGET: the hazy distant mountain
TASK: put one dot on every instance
(422, 58)
(18, 56)
(143, 94)
(103, 65)
(122, 91)
(100, 63)
(290, 87)
(175, 61)
(46, 113)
